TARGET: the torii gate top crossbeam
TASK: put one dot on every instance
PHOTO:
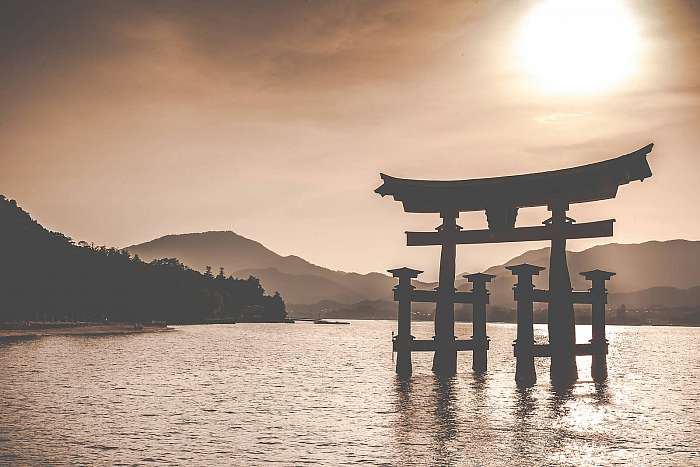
(592, 182)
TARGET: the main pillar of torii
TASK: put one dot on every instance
(561, 323)
(445, 357)
(500, 198)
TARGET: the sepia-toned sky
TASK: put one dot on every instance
(125, 121)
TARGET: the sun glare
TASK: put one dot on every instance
(579, 46)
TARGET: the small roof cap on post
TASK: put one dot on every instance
(597, 274)
(479, 277)
(405, 272)
(528, 269)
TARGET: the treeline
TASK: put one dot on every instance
(666, 316)
(380, 309)
(46, 276)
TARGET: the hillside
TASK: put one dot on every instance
(658, 297)
(296, 279)
(641, 266)
(302, 288)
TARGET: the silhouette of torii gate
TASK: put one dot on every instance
(500, 198)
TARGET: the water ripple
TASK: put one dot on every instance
(323, 395)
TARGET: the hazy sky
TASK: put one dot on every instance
(125, 121)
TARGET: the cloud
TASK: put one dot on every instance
(286, 45)
(556, 117)
(189, 108)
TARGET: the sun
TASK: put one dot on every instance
(578, 46)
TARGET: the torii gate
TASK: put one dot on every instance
(500, 198)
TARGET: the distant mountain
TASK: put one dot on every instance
(640, 266)
(302, 288)
(658, 297)
(299, 281)
(662, 271)
(230, 250)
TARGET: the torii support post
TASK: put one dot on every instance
(524, 345)
(561, 323)
(404, 339)
(480, 300)
(445, 357)
(599, 344)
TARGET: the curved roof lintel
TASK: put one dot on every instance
(591, 182)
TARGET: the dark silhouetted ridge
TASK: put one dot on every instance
(46, 276)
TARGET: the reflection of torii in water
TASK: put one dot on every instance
(500, 198)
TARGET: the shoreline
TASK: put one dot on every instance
(679, 325)
(82, 329)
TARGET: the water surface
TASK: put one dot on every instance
(254, 394)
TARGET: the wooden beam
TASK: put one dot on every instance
(540, 296)
(581, 297)
(423, 345)
(518, 234)
(430, 296)
(543, 350)
(424, 296)
(428, 345)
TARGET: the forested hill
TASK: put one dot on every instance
(297, 279)
(46, 276)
